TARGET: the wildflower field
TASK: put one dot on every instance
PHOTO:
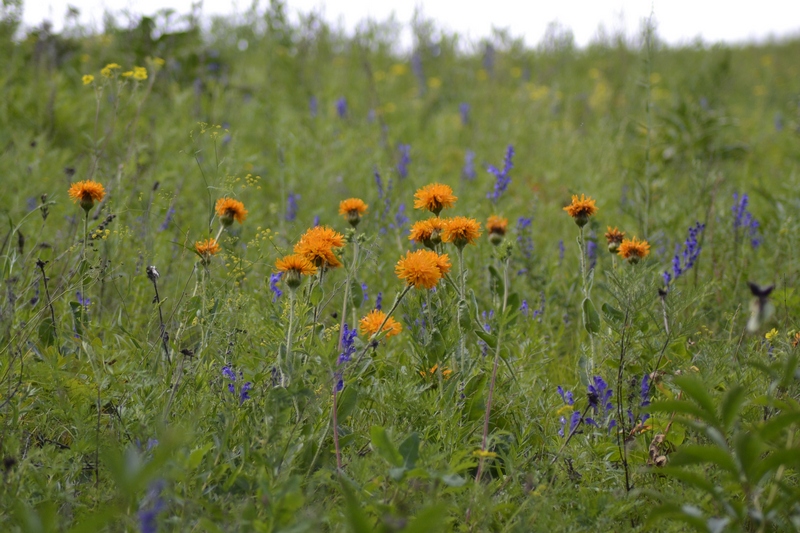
(268, 277)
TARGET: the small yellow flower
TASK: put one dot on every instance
(108, 70)
(139, 73)
(771, 334)
(158, 61)
(87, 79)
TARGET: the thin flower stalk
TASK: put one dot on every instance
(493, 380)
(350, 276)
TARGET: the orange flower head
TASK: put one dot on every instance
(317, 246)
(434, 197)
(461, 231)
(634, 250)
(352, 209)
(614, 238)
(294, 266)
(420, 269)
(229, 209)
(370, 324)
(581, 209)
(428, 232)
(432, 372)
(442, 262)
(206, 250)
(87, 193)
(497, 227)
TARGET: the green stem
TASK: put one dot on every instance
(494, 371)
(350, 275)
(288, 338)
(462, 340)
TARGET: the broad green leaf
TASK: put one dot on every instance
(356, 518)
(730, 406)
(346, 402)
(409, 449)
(694, 454)
(612, 314)
(488, 338)
(591, 320)
(383, 445)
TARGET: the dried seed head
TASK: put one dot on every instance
(152, 273)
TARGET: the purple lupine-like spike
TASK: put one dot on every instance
(273, 285)
(379, 301)
(313, 106)
(348, 344)
(291, 207)
(468, 172)
(244, 394)
(364, 292)
(341, 107)
(463, 110)
(591, 253)
(502, 178)
(405, 159)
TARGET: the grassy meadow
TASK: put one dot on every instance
(165, 367)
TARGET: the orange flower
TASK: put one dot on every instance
(442, 262)
(497, 227)
(294, 266)
(369, 324)
(497, 224)
(317, 246)
(461, 231)
(581, 209)
(434, 197)
(229, 209)
(432, 372)
(207, 249)
(86, 192)
(297, 263)
(420, 269)
(633, 250)
(428, 232)
(352, 209)
(614, 238)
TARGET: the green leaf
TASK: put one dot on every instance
(497, 279)
(409, 449)
(464, 321)
(698, 455)
(356, 296)
(488, 338)
(359, 523)
(346, 402)
(612, 314)
(45, 331)
(431, 519)
(591, 320)
(196, 456)
(730, 406)
(697, 391)
(383, 445)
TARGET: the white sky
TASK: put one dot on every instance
(678, 21)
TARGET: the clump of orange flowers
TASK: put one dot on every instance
(370, 324)
(206, 250)
(434, 197)
(581, 209)
(497, 227)
(614, 238)
(317, 245)
(86, 192)
(295, 266)
(229, 210)
(432, 372)
(428, 232)
(352, 209)
(634, 250)
(422, 269)
(461, 231)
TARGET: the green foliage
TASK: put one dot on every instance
(188, 399)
